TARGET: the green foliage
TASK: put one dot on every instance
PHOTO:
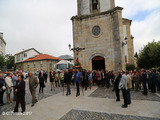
(158, 69)
(130, 67)
(149, 56)
(77, 64)
(2, 61)
(136, 55)
(10, 61)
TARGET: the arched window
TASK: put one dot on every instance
(95, 4)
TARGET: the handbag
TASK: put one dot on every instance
(3, 89)
(44, 85)
(91, 82)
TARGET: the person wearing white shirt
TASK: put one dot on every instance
(9, 86)
(123, 86)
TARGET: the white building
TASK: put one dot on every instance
(2, 45)
(24, 55)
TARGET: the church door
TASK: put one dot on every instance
(98, 63)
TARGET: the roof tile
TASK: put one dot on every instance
(42, 57)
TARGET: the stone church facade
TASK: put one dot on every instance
(101, 30)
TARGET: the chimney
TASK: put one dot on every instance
(1, 35)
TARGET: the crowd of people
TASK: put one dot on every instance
(137, 80)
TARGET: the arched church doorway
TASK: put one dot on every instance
(98, 63)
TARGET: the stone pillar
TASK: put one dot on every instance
(119, 58)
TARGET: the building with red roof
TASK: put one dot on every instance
(40, 62)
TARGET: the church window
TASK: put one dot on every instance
(126, 59)
(96, 30)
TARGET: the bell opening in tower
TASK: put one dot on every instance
(95, 4)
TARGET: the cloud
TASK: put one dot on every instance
(133, 7)
(146, 16)
(147, 30)
(46, 25)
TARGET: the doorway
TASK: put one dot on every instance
(98, 63)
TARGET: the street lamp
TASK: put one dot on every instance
(125, 41)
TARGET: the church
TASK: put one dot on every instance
(105, 35)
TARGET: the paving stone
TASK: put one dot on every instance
(28, 97)
(87, 115)
(107, 93)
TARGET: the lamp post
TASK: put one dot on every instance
(124, 42)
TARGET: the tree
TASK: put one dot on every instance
(149, 56)
(10, 62)
(130, 67)
(2, 61)
(136, 55)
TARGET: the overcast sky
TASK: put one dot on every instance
(46, 26)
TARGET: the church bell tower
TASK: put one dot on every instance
(88, 7)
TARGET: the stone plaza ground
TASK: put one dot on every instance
(96, 104)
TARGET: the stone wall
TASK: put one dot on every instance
(108, 44)
(45, 65)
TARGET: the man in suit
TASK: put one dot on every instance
(14, 80)
(116, 86)
(20, 92)
(33, 83)
(45, 76)
(144, 81)
(129, 87)
(67, 81)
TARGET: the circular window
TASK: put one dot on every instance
(96, 30)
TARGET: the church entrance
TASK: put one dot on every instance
(98, 63)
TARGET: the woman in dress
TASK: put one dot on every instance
(52, 80)
(9, 86)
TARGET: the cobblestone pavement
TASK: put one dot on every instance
(107, 93)
(96, 104)
(28, 97)
(86, 115)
